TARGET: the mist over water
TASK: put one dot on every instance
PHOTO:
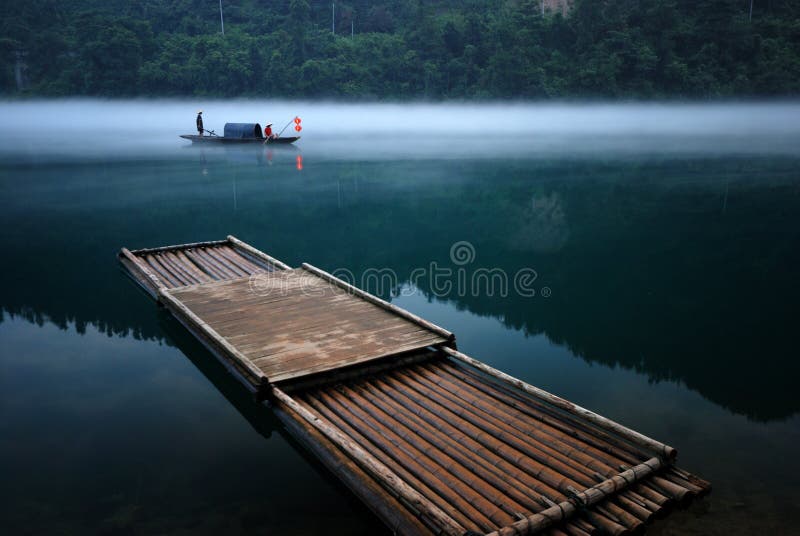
(668, 233)
(132, 129)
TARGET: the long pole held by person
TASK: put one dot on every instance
(284, 128)
(221, 20)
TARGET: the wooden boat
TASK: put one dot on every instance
(224, 139)
(240, 133)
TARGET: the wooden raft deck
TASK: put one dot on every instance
(432, 440)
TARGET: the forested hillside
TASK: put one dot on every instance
(432, 49)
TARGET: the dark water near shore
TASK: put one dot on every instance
(671, 270)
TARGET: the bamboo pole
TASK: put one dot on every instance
(213, 253)
(165, 274)
(680, 493)
(430, 326)
(400, 519)
(540, 477)
(143, 269)
(230, 254)
(679, 481)
(373, 466)
(560, 446)
(595, 521)
(655, 496)
(257, 253)
(531, 449)
(606, 525)
(206, 266)
(464, 436)
(446, 442)
(200, 274)
(144, 251)
(540, 413)
(573, 530)
(226, 271)
(642, 513)
(529, 404)
(178, 264)
(137, 277)
(653, 500)
(263, 264)
(541, 434)
(705, 485)
(582, 524)
(554, 439)
(631, 435)
(451, 500)
(591, 496)
(491, 497)
(537, 450)
(517, 490)
(462, 512)
(507, 460)
(172, 269)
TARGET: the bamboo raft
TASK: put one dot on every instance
(432, 440)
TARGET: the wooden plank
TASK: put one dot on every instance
(237, 370)
(344, 373)
(379, 302)
(211, 302)
(236, 326)
(284, 375)
(290, 364)
(288, 355)
(301, 324)
(177, 306)
(228, 302)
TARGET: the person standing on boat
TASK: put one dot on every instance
(200, 122)
(268, 132)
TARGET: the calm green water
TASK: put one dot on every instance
(673, 309)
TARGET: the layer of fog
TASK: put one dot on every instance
(133, 129)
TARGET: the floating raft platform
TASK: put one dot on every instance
(432, 440)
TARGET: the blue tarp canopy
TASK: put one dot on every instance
(243, 130)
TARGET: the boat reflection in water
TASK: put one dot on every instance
(261, 155)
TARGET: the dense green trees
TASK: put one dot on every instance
(402, 49)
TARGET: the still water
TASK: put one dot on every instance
(667, 239)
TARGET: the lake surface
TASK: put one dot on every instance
(665, 241)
